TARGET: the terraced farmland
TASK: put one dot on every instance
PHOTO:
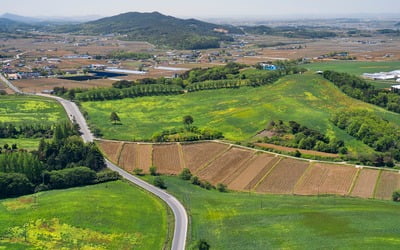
(245, 169)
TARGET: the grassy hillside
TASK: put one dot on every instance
(156, 28)
(355, 68)
(30, 109)
(104, 216)
(238, 113)
(252, 221)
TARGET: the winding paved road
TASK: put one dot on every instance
(181, 219)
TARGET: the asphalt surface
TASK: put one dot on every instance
(181, 219)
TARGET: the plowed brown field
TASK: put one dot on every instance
(258, 177)
(388, 183)
(225, 165)
(128, 157)
(197, 155)
(240, 180)
(166, 159)
(111, 149)
(326, 179)
(365, 183)
(283, 177)
(144, 157)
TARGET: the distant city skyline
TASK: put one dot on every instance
(205, 8)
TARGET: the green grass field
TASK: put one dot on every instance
(355, 67)
(30, 109)
(112, 215)
(238, 113)
(251, 221)
(22, 143)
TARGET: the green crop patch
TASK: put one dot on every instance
(30, 109)
(112, 215)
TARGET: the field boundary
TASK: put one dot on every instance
(212, 160)
(240, 169)
(266, 175)
(302, 177)
(355, 179)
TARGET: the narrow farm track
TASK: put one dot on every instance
(181, 218)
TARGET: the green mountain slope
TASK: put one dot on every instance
(156, 28)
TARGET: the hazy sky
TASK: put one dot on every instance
(200, 8)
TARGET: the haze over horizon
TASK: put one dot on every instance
(204, 9)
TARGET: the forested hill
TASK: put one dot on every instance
(158, 29)
(7, 25)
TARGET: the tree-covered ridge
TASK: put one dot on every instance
(372, 130)
(156, 28)
(358, 88)
(7, 25)
(288, 31)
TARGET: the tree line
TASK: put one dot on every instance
(360, 89)
(64, 161)
(9, 130)
(381, 135)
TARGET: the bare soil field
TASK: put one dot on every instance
(326, 179)
(111, 149)
(283, 177)
(128, 157)
(249, 170)
(303, 151)
(225, 165)
(252, 184)
(166, 159)
(144, 157)
(256, 165)
(197, 155)
(38, 85)
(387, 184)
(365, 183)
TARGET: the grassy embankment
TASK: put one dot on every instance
(112, 215)
(255, 221)
(239, 113)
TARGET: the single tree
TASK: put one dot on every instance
(201, 245)
(396, 196)
(138, 171)
(222, 188)
(188, 121)
(114, 117)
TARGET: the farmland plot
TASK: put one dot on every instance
(225, 165)
(111, 149)
(388, 182)
(326, 179)
(283, 177)
(197, 155)
(166, 159)
(365, 183)
(263, 172)
(144, 157)
(128, 157)
(240, 180)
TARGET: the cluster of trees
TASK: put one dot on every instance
(187, 133)
(9, 130)
(380, 134)
(358, 88)
(134, 91)
(215, 73)
(303, 137)
(65, 161)
(187, 176)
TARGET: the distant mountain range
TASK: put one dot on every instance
(48, 20)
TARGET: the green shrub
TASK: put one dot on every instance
(185, 174)
(153, 170)
(71, 177)
(222, 188)
(107, 175)
(396, 196)
(14, 184)
(159, 182)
